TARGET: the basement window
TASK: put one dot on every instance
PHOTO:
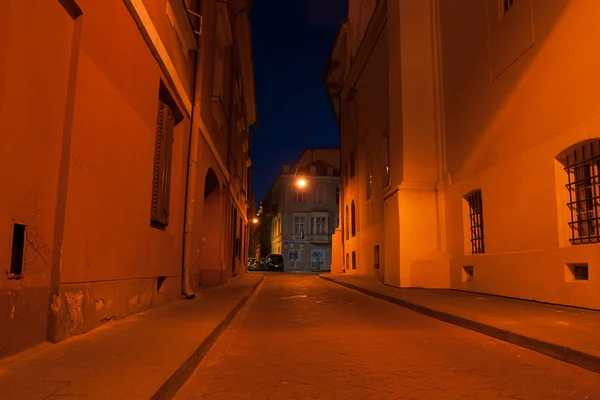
(18, 246)
(577, 272)
(160, 284)
(467, 273)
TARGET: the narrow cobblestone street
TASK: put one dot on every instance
(300, 337)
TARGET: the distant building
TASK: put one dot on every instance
(298, 222)
(470, 141)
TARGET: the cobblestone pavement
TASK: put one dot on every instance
(301, 337)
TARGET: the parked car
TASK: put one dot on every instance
(275, 262)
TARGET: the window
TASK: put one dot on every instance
(337, 195)
(354, 260)
(369, 176)
(578, 272)
(582, 165)
(353, 217)
(300, 196)
(352, 167)
(18, 245)
(386, 161)
(321, 226)
(467, 273)
(299, 224)
(321, 194)
(476, 221)
(347, 224)
(376, 257)
(161, 182)
(504, 6)
(347, 261)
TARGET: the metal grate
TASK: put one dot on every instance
(476, 221)
(582, 167)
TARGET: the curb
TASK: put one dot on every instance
(169, 388)
(563, 353)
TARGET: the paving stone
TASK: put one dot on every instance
(335, 343)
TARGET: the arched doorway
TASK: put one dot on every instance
(210, 251)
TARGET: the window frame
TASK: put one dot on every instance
(474, 201)
(163, 153)
(321, 189)
(300, 196)
(297, 218)
(353, 217)
(581, 164)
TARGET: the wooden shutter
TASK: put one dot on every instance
(162, 164)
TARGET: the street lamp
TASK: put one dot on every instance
(255, 220)
(301, 182)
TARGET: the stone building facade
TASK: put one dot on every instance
(469, 140)
(124, 163)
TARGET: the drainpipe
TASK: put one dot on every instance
(190, 192)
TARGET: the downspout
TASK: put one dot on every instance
(190, 192)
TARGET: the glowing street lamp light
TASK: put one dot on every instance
(301, 182)
(255, 221)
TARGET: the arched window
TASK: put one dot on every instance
(353, 218)
(347, 223)
(321, 194)
(581, 163)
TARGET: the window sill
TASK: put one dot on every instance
(14, 277)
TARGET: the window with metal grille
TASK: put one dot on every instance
(476, 221)
(582, 165)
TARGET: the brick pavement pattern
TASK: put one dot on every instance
(301, 337)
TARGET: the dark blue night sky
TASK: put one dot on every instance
(292, 39)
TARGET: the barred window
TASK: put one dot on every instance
(476, 221)
(582, 165)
